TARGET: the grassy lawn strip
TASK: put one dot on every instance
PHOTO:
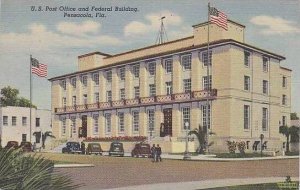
(239, 155)
(264, 186)
(292, 153)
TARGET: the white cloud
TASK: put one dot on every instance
(275, 25)
(152, 23)
(87, 27)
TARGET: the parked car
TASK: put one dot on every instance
(11, 144)
(26, 146)
(72, 147)
(94, 148)
(116, 148)
(141, 149)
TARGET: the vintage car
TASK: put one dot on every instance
(12, 144)
(26, 146)
(94, 148)
(72, 147)
(141, 149)
(116, 148)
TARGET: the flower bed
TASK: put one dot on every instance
(120, 138)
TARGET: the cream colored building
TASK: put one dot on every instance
(158, 88)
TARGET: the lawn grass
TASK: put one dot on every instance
(239, 155)
(292, 153)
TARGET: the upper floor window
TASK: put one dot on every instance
(108, 96)
(246, 116)
(73, 82)
(122, 93)
(84, 80)
(246, 83)
(96, 97)
(24, 121)
(136, 70)
(206, 58)
(64, 101)
(122, 73)
(264, 119)
(5, 120)
(85, 98)
(13, 120)
(96, 78)
(37, 122)
(186, 61)
(186, 118)
(135, 121)
(151, 68)
(152, 90)
(284, 99)
(246, 58)
(136, 92)
(265, 64)
(284, 82)
(169, 88)
(169, 65)
(108, 75)
(265, 87)
(64, 84)
(73, 100)
(187, 85)
(207, 83)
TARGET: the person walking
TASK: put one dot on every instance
(82, 148)
(158, 153)
(153, 154)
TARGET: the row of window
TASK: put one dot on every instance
(14, 121)
(265, 116)
(247, 61)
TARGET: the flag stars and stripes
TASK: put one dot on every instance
(217, 17)
(38, 68)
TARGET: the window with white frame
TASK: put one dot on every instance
(284, 82)
(73, 124)
(64, 84)
(264, 119)
(265, 64)
(84, 80)
(284, 99)
(186, 61)
(84, 98)
(136, 70)
(135, 121)
(246, 83)
(96, 123)
(152, 90)
(121, 122)
(169, 89)
(187, 85)
(107, 122)
(205, 117)
(246, 116)
(24, 121)
(108, 96)
(122, 73)
(246, 58)
(169, 65)
(151, 120)
(186, 115)
(122, 94)
(73, 100)
(207, 84)
(37, 122)
(108, 75)
(64, 101)
(136, 92)
(205, 58)
(265, 87)
(73, 82)
(283, 120)
(96, 78)
(63, 126)
(151, 68)
(96, 97)
(5, 120)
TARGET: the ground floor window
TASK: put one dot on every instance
(186, 118)
(63, 126)
(205, 117)
(96, 124)
(108, 123)
(151, 120)
(73, 124)
(135, 121)
(121, 122)
(264, 119)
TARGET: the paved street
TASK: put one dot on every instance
(113, 172)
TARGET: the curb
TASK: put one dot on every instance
(73, 165)
(232, 159)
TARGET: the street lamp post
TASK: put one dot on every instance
(261, 144)
(186, 155)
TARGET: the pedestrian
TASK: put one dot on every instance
(158, 153)
(34, 147)
(82, 148)
(153, 152)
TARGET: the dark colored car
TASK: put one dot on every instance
(72, 147)
(26, 146)
(141, 149)
(94, 148)
(11, 144)
(116, 148)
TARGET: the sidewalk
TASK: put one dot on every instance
(195, 185)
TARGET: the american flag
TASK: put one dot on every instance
(38, 68)
(218, 17)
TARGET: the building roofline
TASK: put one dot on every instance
(285, 68)
(94, 53)
(215, 43)
(205, 23)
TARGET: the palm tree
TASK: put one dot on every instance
(44, 136)
(201, 134)
(288, 132)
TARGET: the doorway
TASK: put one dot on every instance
(167, 127)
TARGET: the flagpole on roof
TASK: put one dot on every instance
(30, 96)
(208, 81)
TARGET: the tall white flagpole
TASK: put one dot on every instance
(30, 96)
(208, 82)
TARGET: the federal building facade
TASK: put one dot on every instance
(155, 90)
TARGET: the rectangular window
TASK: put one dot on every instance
(169, 65)
(136, 70)
(205, 118)
(187, 85)
(246, 116)
(284, 82)
(5, 120)
(265, 87)
(135, 121)
(121, 122)
(283, 120)
(64, 101)
(108, 96)
(96, 123)
(64, 84)
(73, 82)
(151, 68)
(169, 88)
(186, 61)
(73, 124)
(207, 84)
(122, 73)
(85, 99)
(37, 122)
(265, 119)
(108, 123)
(96, 97)
(152, 90)
(151, 120)
(96, 78)
(73, 100)
(84, 80)
(246, 58)
(205, 58)
(136, 92)
(265, 64)
(63, 126)
(284, 99)
(186, 118)
(108, 76)
(122, 93)
(13, 120)
(246, 83)
(24, 121)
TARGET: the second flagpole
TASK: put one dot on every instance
(30, 99)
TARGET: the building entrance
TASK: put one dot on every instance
(166, 127)
(83, 128)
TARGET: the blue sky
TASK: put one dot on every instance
(57, 41)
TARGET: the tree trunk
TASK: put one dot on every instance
(288, 143)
